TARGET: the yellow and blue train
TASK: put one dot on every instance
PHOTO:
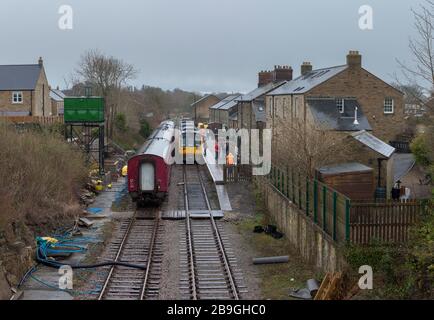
(190, 140)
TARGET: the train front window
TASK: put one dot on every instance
(188, 140)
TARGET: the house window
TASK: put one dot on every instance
(340, 104)
(17, 97)
(388, 105)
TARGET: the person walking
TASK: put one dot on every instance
(216, 150)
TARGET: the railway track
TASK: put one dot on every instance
(138, 243)
(209, 265)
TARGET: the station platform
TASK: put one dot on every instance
(216, 172)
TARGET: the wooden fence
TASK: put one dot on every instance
(237, 173)
(34, 119)
(388, 222)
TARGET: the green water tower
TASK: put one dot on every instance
(84, 109)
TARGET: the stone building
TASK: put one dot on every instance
(382, 104)
(251, 106)
(223, 111)
(202, 106)
(347, 100)
(24, 90)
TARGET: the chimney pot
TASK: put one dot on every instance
(40, 61)
(306, 67)
(282, 73)
(354, 59)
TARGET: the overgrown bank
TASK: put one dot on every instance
(403, 271)
(40, 178)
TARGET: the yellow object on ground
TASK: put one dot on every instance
(50, 240)
(109, 186)
(124, 171)
(99, 186)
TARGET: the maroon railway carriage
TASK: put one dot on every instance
(149, 169)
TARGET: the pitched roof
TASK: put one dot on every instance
(204, 98)
(57, 95)
(324, 111)
(229, 105)
(374, 143)
(308, 81)
(19, 77)
(226, 100)
(260, 91)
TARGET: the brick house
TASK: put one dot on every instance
(347, 100)
(24, 90)
(201, 107)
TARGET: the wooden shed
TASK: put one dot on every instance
(354, 180)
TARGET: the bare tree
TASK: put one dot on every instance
(307, 146)
(107, 75)
(420, 71)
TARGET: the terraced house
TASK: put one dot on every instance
(251, 106)
(347, 100)
(223, 111)
(24, 90)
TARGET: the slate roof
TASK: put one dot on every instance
(260, 91)
(19, 77)
(374, 143)
(229, 105)
(226, 100)
(57, 95)
(308, 81)
(324, 111)
(204, 98)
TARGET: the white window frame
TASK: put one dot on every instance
(393, 106)
(19, 94)
(340, 104)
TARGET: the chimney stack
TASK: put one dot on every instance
(265, 77)
(40, 61)
(354, 59)
(282, 73)
(306, 67)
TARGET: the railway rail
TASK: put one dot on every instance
(138, 243)
(209, 265)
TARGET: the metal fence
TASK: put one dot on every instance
(328, 208)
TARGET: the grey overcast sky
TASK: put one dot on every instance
(206, 45)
